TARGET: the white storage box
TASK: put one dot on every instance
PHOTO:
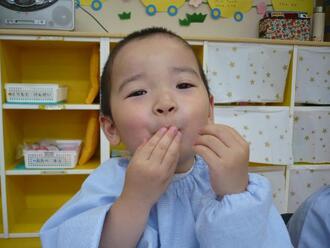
(313, 75)
(247, 72)
(53, 159)
(304, 181)
(267, 129)
(311, 134)
(35, 93)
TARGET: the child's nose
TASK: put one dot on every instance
(164, 107)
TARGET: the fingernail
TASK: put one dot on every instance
(163, 130)
(173, 130)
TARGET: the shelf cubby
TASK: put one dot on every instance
(33, 199)
(32, 125)
(61, 62)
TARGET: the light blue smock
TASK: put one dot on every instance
(187, 215)
(310, 224)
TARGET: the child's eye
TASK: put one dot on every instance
(137, 93)
(184, 85)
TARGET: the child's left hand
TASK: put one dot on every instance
(227, 155)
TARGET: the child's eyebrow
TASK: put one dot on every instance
(185, 69)
(129, 80)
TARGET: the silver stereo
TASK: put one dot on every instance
(37, 14)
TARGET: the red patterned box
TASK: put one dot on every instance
(285, 29)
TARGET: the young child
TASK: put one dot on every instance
(309, 226)
(186, 184)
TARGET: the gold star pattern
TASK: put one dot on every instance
(252, 82)
(324, 130)
(267, 144)
(296, 119)
(285, 67)
(246, 128)
(238, 76)
(311, 79)
(277, 96)
(251, 65)
(306, 137)
(301, 58)
(232, 64)
(234, 49)
(268, 74)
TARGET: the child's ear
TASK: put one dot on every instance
(211, 110)
(110, 130)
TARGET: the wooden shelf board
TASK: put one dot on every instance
(52, 106)
(20, 170)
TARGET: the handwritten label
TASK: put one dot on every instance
(293, 5)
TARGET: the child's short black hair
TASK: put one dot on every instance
(107, 70)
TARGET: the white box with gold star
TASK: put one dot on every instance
(313, 75)
(311, 134)
(267, 129)
(239, 72)
(305, 180)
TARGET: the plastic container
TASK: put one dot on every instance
(318, 24)
(35, 93)
(51, 159)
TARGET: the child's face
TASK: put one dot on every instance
(156, 83)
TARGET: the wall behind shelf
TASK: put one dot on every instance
(108, 17)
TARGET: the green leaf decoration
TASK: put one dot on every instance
(196, 17)
(184, 22)
(125, 16)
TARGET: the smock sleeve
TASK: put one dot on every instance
(79, 222)
(247, 219)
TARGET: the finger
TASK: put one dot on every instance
(209, 156)
(170, 159)
(164, 143)
(238, 136)
(146, 150)
(213, 143)
(222, 132)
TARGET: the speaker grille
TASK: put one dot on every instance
(62, 16)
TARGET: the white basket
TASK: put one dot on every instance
(41, 159)
(35, 93)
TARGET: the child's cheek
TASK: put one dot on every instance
(135, 133)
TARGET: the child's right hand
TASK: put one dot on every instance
(152, 168)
